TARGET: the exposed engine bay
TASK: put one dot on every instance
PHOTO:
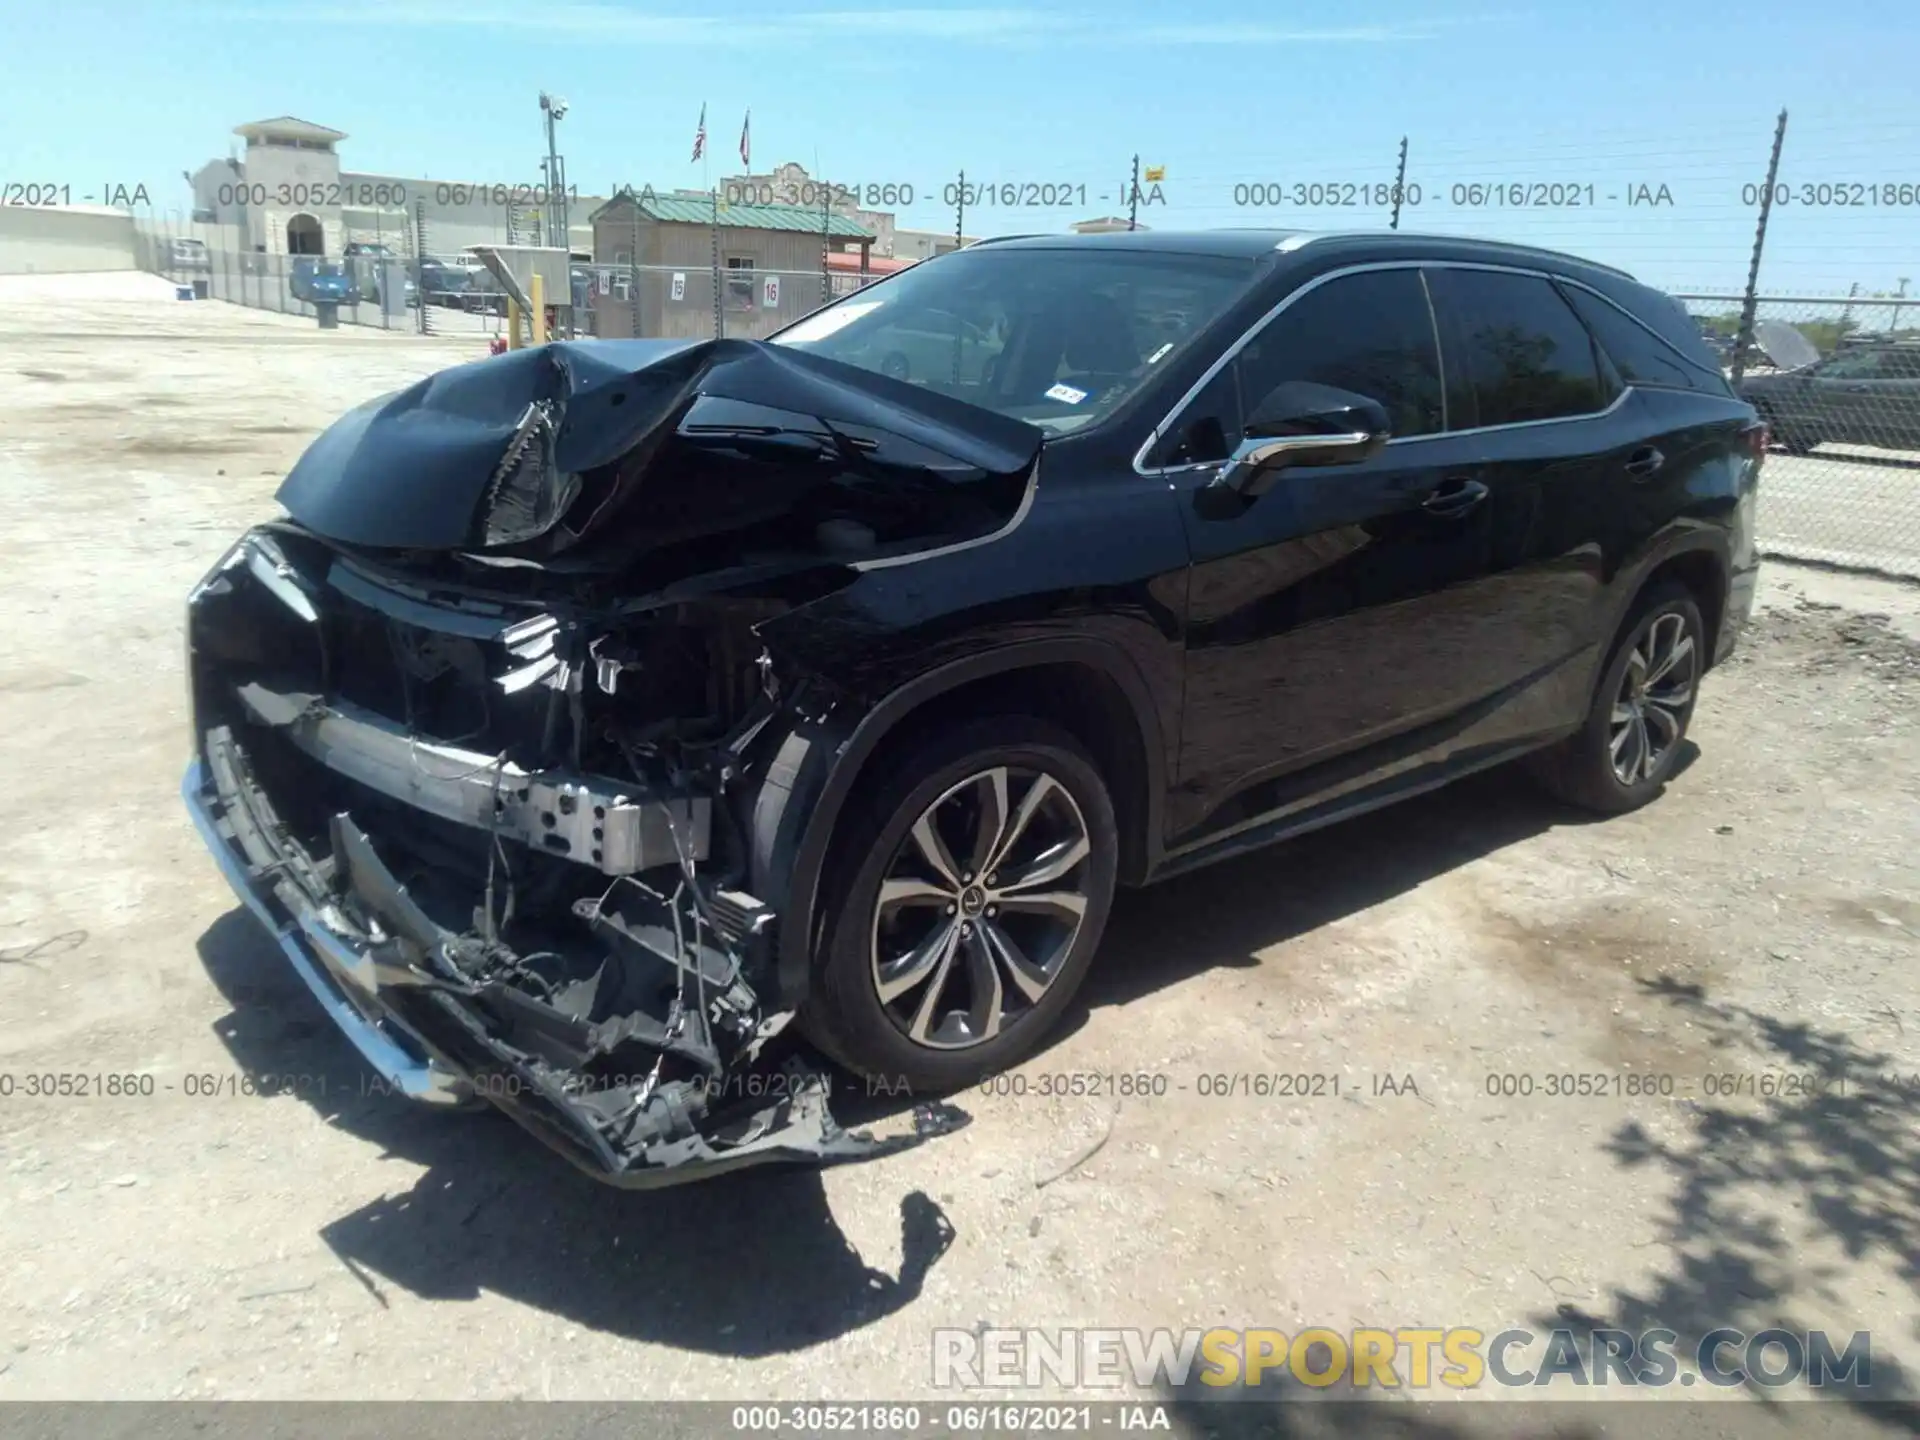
(481, 725)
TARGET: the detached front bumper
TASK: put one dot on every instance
(439, 1041)
(328, 965)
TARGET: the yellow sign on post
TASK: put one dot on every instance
(539, 316)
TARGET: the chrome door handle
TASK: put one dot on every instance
(1454, 497)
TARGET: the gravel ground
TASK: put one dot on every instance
(1760, 920)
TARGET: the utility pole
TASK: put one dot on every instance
(1752, 301)
(1133, 196)
(1399, 185)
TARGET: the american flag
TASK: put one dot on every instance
(745, 157)
(700, 135)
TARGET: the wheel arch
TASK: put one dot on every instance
(1704, 572)
(1087, 686)
(1697, 556)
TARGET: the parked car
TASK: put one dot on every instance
(598, 708)
(1860, 395)
(444, 282)
(321, 281)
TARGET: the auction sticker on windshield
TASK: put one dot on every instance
(1066, 394)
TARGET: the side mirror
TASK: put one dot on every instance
(1301, 423)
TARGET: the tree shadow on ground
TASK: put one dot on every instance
(1830, 1158)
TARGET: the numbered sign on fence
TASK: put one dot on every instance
(770, 293)
(679, 285)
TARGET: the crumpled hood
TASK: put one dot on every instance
(550, 441)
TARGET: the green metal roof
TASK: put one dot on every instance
(698, 210)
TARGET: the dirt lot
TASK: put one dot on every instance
(1762, 919)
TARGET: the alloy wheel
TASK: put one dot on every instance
(1650, 710)
(980, 907)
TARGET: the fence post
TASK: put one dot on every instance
(633, 263)
(419, 261)
(1399, 185)
(1751, 303)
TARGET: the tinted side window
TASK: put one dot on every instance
(1641, 357)
(1370, 333)
(1518, 352)
(1669, 319)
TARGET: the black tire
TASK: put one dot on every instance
(1581, 768)
(844, 1014)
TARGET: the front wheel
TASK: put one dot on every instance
(970, 892)
(1624, 752)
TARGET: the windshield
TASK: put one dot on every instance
(1054, 337)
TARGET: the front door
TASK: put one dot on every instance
(1355, 618)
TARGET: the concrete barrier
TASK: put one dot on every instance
(62, 239)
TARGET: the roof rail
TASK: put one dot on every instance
(1467, 239)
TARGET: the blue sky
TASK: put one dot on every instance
(1226, 96)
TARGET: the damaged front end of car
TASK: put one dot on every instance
(485, 728)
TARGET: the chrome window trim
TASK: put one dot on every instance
(1431, 237)
(1232, 352)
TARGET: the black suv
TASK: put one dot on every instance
(599, 708)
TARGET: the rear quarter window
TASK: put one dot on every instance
(1644, 355)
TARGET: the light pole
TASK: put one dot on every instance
(558, 234)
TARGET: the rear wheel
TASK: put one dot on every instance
(972, 889)
(1622, 755)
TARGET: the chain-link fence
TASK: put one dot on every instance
(678, 302)
(374, 282)
(1837, 379)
